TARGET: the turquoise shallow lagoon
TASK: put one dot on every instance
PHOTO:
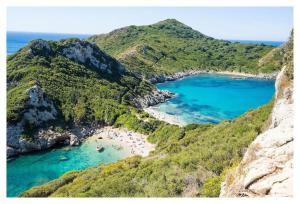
(30, 170)
(211, 98)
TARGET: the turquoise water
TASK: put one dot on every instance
(30, 170)
(210, 98)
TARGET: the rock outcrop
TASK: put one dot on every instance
(79, 51)
(267, 166)
(176, 76)
(40, 111)
(87, 53)
(156, 97)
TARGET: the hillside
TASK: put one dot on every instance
(53, 86)
(170, 46)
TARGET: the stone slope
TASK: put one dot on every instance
(267, 166)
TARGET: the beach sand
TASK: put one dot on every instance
(135, 143)
(172, 119)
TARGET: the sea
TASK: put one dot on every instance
(199, 99)
(17, 40)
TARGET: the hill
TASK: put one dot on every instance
(170, 46)
(58, 85)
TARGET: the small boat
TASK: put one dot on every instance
(63, 158)
(100, 148)
(100, 138)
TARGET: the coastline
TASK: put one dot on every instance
(180, 75)
(121, 138)
(172, 119)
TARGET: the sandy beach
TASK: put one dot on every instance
(119, 138)
(246, 75)
(172, 119)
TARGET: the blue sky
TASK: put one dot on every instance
(265, 23)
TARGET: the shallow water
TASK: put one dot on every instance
(35, 169)
(211, 98)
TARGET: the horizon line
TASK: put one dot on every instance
(39, 32)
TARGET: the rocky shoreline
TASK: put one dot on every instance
(157, 96)
(46, 138)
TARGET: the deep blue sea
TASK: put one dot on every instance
(199, 99)
(274, 43)
(17, 40)
(210, 98)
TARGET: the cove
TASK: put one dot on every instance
(38, 168)
(212, 98)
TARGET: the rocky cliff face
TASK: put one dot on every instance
(87, 53)
(156, 97)
(40, 111)
(79, 51)
(267, 166)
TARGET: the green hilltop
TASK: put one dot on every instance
(169, 46)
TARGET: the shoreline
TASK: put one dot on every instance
(181, 75)
(172, 119)
(134, 142)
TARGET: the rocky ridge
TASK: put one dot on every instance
(267, 166)
(79, 51)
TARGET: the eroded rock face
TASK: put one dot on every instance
(267, 166)
(40, 47)
(86, 53)
(156, 97)
(40, 110)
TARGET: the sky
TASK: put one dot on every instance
(231, 23)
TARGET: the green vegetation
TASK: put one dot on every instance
(288, 59)
(170, 46)
(187, 161)
(81, 93)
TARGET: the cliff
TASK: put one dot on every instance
(267, 166)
